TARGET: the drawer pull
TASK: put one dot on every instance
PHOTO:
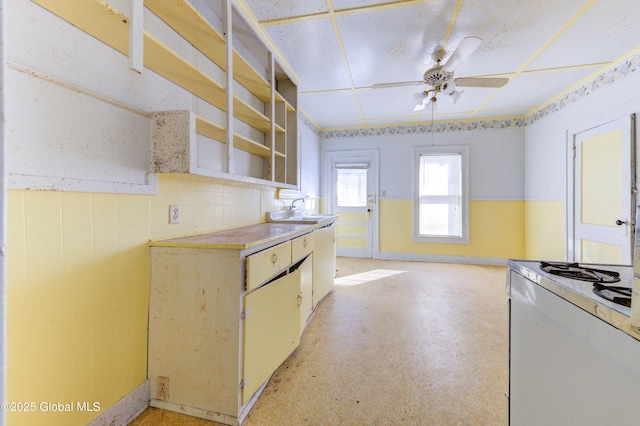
(274, 258)
(300, 297)
(304, 243)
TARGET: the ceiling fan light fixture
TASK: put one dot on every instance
(448, 87)
(420, 97)
(455, 95)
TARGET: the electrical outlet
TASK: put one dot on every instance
(162, 388)
(174, 214)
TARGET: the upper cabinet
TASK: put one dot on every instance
(241, 121)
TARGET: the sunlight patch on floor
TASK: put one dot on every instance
(365, 277)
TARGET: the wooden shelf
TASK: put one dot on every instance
(112, 27)
(250, 146)
(104, 22)
(211, 130)
(280, 98)
(190, 24)
(251, 116)
(246, 75)
(164, 61)
(95, 18)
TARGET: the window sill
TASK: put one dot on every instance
(441, 240)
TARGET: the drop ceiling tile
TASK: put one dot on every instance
(606, 31)
(391, 121)
(512, 32)
(537, 87)
(331, 107)
(266, 10)
(387, 102)
(311, 48)
(392, 45)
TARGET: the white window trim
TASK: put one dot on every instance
(463, 150)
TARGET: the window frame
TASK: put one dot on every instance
(463, 151)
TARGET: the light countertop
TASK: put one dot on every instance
(242, 238)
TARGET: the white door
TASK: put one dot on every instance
(604, 199)
(353, 196)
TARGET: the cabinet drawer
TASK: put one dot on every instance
(267, 263)
(301, 246)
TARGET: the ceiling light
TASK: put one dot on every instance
(448, 87)
(420, 98)
(455, 95)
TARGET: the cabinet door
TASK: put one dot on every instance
(324, 261)
(267, 263)
(306, 290)
(271, 330)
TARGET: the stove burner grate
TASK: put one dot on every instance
(609, 292)
(599, 277)
(577, 272)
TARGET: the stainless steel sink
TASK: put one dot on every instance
(298, 216)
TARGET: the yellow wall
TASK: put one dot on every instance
(78, 285)
(545, 229)
(496, 230)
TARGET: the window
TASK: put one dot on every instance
(351, 185)
(440, 195)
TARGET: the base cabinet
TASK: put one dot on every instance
(271, 330)
(219, 327)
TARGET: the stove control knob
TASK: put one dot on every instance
(620, 222)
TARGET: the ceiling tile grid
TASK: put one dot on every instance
(390, 45)
(312, 49)
(340, 48)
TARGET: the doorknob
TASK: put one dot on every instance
(620, 222)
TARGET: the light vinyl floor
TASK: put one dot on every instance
(396, 343)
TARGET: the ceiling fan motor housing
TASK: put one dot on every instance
(436, 76)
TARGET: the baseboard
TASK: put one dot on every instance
(127, 409)
(441, 258)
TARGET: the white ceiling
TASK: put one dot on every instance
(340, 48)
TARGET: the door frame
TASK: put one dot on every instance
(329, 191)
(571, 137)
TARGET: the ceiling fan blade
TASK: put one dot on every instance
(480, 82)
(466, 47)
(402, 84)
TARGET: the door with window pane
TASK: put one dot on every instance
(354, 199)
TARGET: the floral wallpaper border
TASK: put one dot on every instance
(608, 77)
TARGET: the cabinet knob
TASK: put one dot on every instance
(620, 222)
(300, 297)
(304, 243)
(274, 257)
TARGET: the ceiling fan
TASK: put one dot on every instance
(440, 77)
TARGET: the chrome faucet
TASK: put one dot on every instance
(294, 202)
